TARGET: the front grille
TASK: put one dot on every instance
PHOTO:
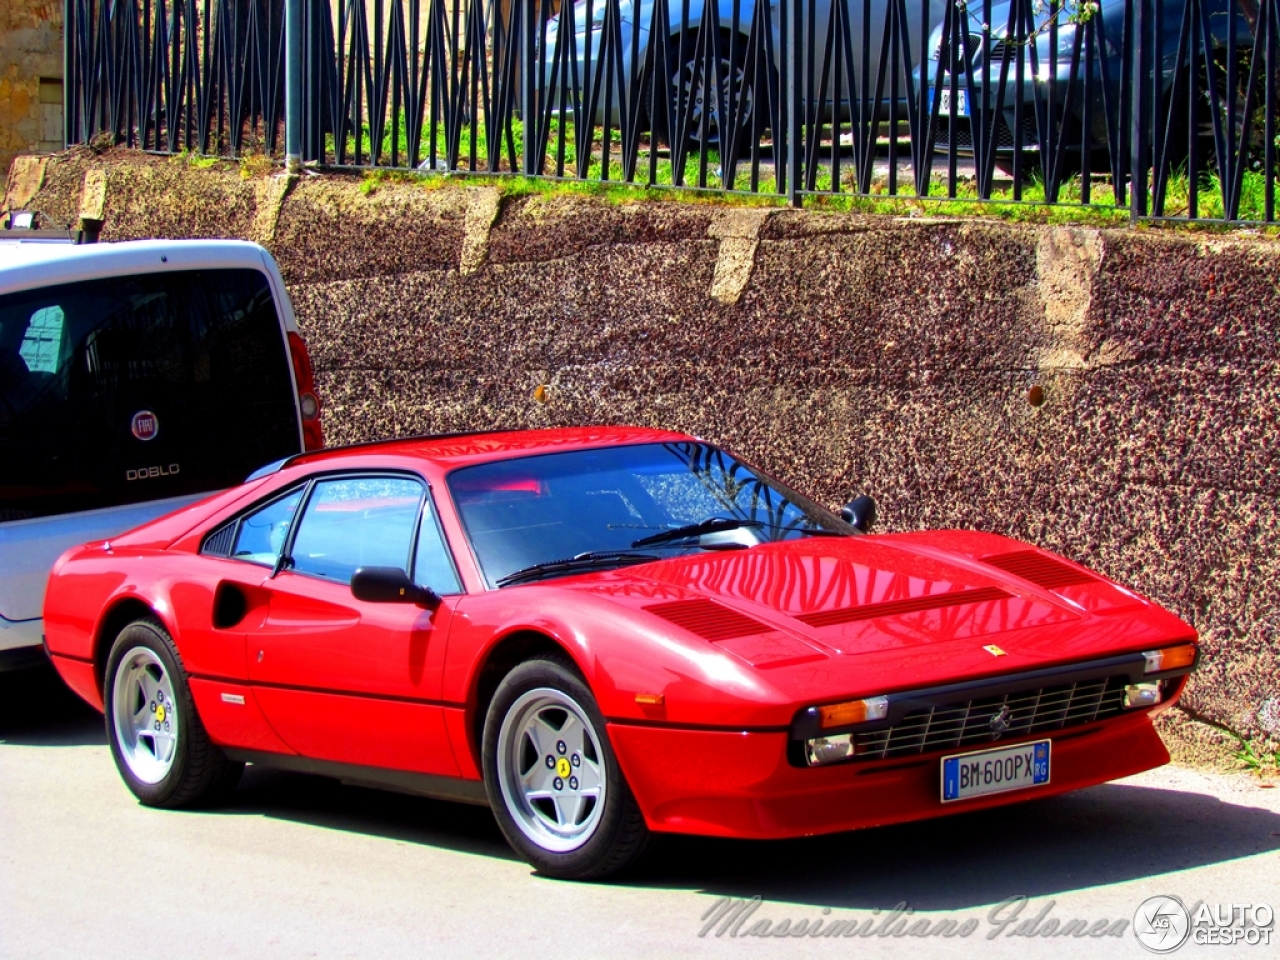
(1009, 50)
(969, 722)
(956, 57)
(960, 131)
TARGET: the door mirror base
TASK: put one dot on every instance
(860, 513)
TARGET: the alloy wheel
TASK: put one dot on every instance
(550, 770)
(144, 714)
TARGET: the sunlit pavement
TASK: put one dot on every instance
(301, 866)
(882, 163)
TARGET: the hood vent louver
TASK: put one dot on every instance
(708, 619)
(896, 608)
(1039, 569)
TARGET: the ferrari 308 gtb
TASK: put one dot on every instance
(603, 633)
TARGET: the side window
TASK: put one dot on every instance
(260, 535)
(432, 565)
(356, 522)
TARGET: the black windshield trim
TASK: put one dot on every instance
(594, 560)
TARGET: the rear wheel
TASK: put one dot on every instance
(157, 740)
(552, 778)
(688, 87)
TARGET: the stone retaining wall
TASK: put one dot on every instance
(30, 78)
(848, 354)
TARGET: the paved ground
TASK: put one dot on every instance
(303, 867)
(965, 170)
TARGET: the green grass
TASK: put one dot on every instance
(561, 153)
(254, 165)
(197, 160)
(1209, 204)
(1254, 759)
(654, 176)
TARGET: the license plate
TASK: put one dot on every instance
(946, 106)
(977, 774)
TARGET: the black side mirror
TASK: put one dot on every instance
(860, 514)
(390, 585)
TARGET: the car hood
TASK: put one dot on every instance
(890, 612)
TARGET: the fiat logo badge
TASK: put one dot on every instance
(144, 425)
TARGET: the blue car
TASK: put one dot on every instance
(1068, 81)
(730, 45)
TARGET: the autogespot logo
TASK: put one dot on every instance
(1161, 924)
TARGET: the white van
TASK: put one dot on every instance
(134, 378)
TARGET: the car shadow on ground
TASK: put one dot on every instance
(1095, 837)
(38, 710)
(1103, 835)
(324, 802)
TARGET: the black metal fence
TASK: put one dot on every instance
(1163, 108)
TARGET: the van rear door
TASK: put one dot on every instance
(135, 394)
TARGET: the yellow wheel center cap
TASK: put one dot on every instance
(562, 768)
(160, 713)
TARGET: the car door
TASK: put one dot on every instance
(346, 680)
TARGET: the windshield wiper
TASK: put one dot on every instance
(691, 530)
(583, 561)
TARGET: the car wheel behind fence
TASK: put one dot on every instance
(687, 88)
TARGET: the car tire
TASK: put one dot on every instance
(552, 777)
(683, 83)
(159, 745)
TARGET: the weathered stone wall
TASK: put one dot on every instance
(30, 48)
(847, 354)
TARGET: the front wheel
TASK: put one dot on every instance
(552, 778)
(157, 740)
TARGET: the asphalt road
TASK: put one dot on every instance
(301, 866)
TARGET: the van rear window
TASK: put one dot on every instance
(126, 389)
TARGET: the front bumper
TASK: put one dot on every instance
(740, 784)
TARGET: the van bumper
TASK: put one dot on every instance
(21, 644)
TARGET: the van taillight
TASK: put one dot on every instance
(308, 402)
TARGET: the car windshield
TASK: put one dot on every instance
(608, 505)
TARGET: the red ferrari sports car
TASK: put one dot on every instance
(603, 633)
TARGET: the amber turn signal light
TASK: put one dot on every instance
(1170, 658)
(853, 711)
